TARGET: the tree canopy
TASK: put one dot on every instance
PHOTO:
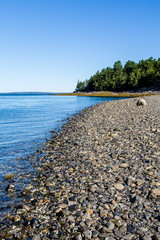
(144, 74)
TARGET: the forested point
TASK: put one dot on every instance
(133, 76)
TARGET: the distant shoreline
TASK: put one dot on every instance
(110, 94)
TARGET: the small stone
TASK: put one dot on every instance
(156, 192)
(57, 194)
(89, 211)
(62, 205)
(129, 180)
(130, 228)
(27, 208)
(123, 229)
(147, 237)
(111, 225)
(118, 233)
(88, 234)
(154, 183)
(118, 223)
(139, 182)
(128, 237)
(34, 222)
(95, 233)
(2, 233)
(78, 237)
(8, 236)
(143, 229)
(36, 237)
(119, 186)
(93, 188)
(125, 216)
(9, 176)
(14, 230)
(103, 213)
(10, 188)
(89, 222)
(75, 190)
(133, 199)
(17, 218)
(103, 235)
(124, 165)
(113, 135)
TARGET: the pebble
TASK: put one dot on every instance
(147, 237)
(36, 237)
(103, 213)
(156, 192)
(119, 186)
(9, 176)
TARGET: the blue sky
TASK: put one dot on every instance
(48, 45)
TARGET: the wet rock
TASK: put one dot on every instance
(9, 176)
(17, 218)
(34, 222)
(26, 207)
(10, 188)
(2, 233)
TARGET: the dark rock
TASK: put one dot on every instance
(10, 188)
(133, 199)
(131, 228)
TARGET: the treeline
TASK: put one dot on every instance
(133, 76)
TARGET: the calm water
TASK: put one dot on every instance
(25, 123)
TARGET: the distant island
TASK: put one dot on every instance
(132, 77)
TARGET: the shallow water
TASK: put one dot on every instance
(25, 123)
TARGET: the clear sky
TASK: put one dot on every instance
(48, 45)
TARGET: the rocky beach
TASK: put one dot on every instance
(98, 178)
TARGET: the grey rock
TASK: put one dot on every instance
(88, 234)
(36, 237)
(95, 233)
(147, 237)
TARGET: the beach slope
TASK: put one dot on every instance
(98, 179)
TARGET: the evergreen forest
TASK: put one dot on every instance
(131, 76)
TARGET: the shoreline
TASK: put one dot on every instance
(110, 94)
(111, 193)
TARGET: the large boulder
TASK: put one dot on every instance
(141, 101)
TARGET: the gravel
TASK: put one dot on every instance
(98, 178)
